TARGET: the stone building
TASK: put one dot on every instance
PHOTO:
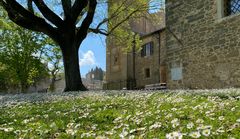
(135, 69)
(198, 48)
(204, 51)
(95, 74)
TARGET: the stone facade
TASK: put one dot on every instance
(203, 43)
(127, 70)
(152, 62)
(117, 74)
(199, 48)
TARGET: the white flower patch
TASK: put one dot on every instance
(123, 134)
(129, 114)
(10, 129)
(200, 121)
(174, 135)
(206, 132)
(190, 125)
(195, 135)
(88, 135)
(155, 126)
(175, 122)
(221, 130)
(221, 118)
(71, 131)
(117, 120)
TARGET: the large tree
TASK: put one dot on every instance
(69, 28)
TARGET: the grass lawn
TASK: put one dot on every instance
(173, 114)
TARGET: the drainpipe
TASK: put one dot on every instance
(159, 58)
(134, 62)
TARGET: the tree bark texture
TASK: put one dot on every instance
(73, 81)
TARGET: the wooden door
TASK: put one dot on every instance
(163, 74)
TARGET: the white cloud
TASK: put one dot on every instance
(87, 59)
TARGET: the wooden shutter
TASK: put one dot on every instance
(227, 7)
(142, 51)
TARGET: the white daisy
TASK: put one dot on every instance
(221, 118)
(195, 135)
(190, 125)
(174, 135)
(206, 132)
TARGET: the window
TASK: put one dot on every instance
(227, 8)
(231, 7)
(147, 49)
(115, 57)
(115, 62)
(156, 5)
(147, 73)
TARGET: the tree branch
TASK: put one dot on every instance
(115, 14)
(30, 6)
(13, 5)
(78, 7)
(49, 14)
(98, 31)
(66, 5)
(82, 32)
(107, 33)
(26, 19)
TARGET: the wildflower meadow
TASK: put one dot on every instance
(122, 114)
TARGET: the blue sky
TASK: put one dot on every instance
(92, 53)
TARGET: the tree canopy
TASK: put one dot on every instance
(21, 65)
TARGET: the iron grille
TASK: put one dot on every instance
(232, 7)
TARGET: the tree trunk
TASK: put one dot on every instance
(24, 87)
(52, 84)
(73, 79)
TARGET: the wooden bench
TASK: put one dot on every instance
(158, 86)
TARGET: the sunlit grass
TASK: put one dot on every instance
(178, 114)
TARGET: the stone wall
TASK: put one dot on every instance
(205, 46)
(120, 64)
(152, 62)
(116, 68)
(148, 23)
